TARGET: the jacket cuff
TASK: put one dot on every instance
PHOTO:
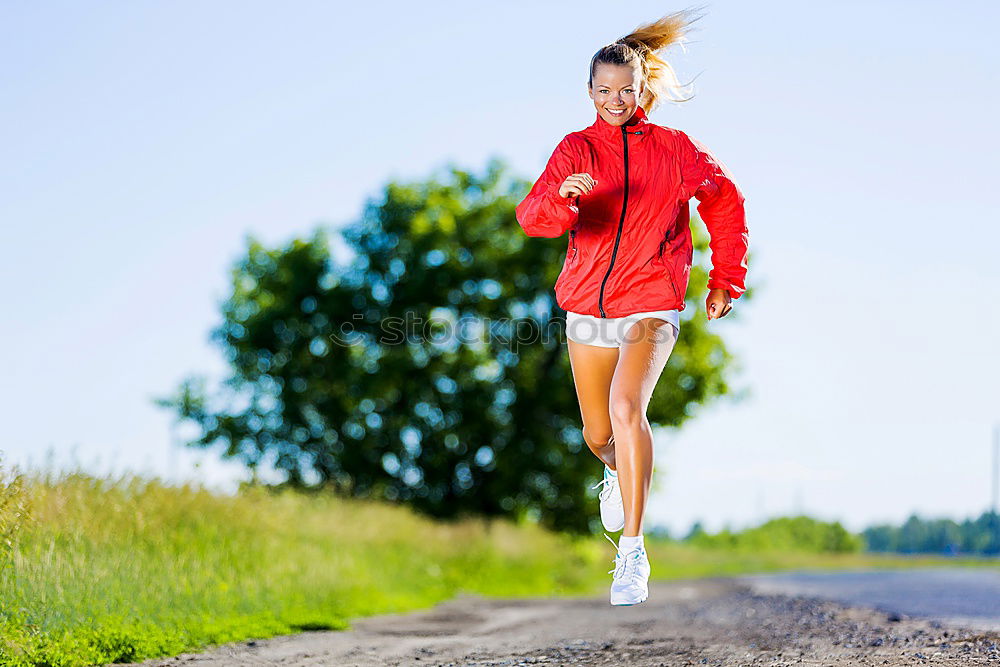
(553, 193)
(734, 292)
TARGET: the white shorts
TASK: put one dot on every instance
(610, 331)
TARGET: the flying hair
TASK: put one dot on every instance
(639, 48)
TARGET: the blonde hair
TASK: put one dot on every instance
(639, 48)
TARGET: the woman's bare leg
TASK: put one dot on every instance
(593, 367)
(643, 355)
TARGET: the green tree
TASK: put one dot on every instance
(785, 534)
(360, 377)
(918, 535)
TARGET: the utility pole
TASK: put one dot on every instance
(996, 467)
(995, 520)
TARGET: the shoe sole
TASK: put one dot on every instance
(612, 529)
(629, 604)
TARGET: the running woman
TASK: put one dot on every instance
(621, 188)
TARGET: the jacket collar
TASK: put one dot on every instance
(639, 122)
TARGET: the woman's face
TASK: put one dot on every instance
(616, 90)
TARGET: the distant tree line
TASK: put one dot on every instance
(801, 533)
(795, 533)
(916, 535)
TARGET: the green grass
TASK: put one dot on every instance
(120, 570)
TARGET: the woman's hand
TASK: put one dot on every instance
(718, 303)
(576, 185)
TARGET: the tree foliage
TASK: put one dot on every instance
(917, 535)
(785, 534)
(430, 368)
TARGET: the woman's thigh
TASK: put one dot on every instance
(642, 357)
(593, 367)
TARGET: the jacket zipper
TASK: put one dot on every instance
(572, 237)
(621, 222)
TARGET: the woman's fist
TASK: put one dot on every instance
(718, 303)
(576, 185)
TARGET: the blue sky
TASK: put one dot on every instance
(143, 141)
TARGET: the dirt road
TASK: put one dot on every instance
(694, 622)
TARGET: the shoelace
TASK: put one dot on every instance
(625, 564)
(608, 483)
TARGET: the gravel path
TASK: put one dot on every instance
(691, 622)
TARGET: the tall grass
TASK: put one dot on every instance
(125, 569)
(13, 513)
(99, 570)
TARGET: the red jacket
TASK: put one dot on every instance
(629, 248)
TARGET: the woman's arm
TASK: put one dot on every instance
(544, 212)
(721, 207)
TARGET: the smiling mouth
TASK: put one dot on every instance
(616, 112)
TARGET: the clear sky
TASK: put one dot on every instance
(141, 142)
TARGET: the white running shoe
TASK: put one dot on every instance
(630, 584)
(612, 509)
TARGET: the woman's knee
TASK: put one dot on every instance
(626, 410)
(596, 438)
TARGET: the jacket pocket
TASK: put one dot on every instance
(667, 264)
(663, 243)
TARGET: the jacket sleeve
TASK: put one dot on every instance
(721, 208)
(543, 212)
